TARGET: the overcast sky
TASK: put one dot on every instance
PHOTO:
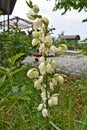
(70, 23)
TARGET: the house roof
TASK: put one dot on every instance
(6, 5)
(70, 37)
(17, 21)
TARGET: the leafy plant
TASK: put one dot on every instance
(14, 42)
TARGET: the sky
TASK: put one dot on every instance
(70, 23)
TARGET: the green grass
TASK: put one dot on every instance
(18, 105)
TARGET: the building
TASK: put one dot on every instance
(72, 40)
(69, 37)
(18, 22)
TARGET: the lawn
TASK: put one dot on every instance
(19, 101)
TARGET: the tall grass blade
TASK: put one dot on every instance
(83, 123)
(56, 127)
(62, 122)
(70, 119)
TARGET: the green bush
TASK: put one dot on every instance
(70, 43)
(14, 42)
(83, 48)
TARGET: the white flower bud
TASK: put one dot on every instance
(37, 24)
(59, 50)
(37, 85)
(54, 81)
(31, 15)
(42, 68)
(40, 33)
(53, 50)
(45, 21)
(42, 59)
(40, 107)
(60, 79)
(43, 96)
(55, 100)
(44, 112)
(50, 102)
(48, 41)
(64, 47)
(40, 79)
(49, 68)
(35, 8)
(46, 50)
(36, 73)
(53, 63)
(51, 86)
(42, 48)
(35, 42)
(32, 73)
(35, 34)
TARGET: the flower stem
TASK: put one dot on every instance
(47, 118)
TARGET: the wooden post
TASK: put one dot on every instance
(8, 12)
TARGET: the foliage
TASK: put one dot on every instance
(14, 42)
(66, 5)
(83, 47)
(71, 44)
(18, 104)
(69, 4)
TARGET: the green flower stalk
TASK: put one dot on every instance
(45, 78)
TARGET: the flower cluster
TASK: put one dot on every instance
(45, 78)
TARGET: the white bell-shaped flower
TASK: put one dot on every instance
(35, 41)
(53, 50)
(40, 79)
(37, 24)
(42, 48)
(64, 47)
(35, 8)
(59, 50)
(53, 63)
(43, 96)
(42, 68)
(35, 34)
(51, 86)
(37, 85)
(49, 68)
(40, 107)
(54, 81)
(44, 112)
(42, 59)
(60, 79)
(47, 40)
(32, 73)
(53, 101)
(31, 15)
(45, 21)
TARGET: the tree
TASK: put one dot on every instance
(66, 5)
